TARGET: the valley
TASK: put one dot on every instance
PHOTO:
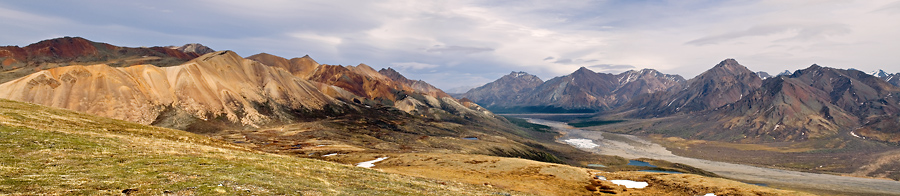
(300, 110)
(634, 147)
(508, 98)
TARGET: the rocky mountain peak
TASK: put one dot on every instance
(880, 73)
(518, 74)
(784, 73)
(583, 70)
(195, 48)
(65, 47)
(521, 75)
(728, 62)
(763, 75)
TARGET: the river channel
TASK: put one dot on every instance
(631, 147)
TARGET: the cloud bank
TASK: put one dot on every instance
(464, 43)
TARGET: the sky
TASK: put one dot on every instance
(462, 43)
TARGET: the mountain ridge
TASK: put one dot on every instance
(581, 91)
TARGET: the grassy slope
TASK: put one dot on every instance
(53, 151)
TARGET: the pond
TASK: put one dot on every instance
(640, 163)
(470, 138)
(661, 171)
(595, 165)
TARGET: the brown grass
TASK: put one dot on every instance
(46, 151)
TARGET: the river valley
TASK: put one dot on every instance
(632, 147)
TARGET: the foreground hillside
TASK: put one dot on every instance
(48, 151)
(59, 152)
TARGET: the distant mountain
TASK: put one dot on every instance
(784, 73)
(60, 52)
(763, 75)
(503, 91)
(725, 83)
(195, 48)
(880, 74)
(893, 79)
(817, 102)
(890, 78)
(582, 91)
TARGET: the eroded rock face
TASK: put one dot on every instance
(216, 85)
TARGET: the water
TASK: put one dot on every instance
(595, 165)
(640, 163)
(470, 138)
(661, 171)
(758, 184)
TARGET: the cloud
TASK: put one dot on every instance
(893, 8)
(458, 49)
(563, 61)
(612, 67)
(801, 32)
(414, 65)
(544, 38)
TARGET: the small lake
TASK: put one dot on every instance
(640, 163)
(661, 171)
(470, 138)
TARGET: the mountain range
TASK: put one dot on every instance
(302, 108)
(727, 102)
(221, 94)
(20, 61)
(582, 91)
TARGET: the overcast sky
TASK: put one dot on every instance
(466, 43)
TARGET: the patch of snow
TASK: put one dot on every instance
(630, 184)
(854, 135)
(581, 143)
(328, 155)
(670, 103)
(710, 194)
(370, 164)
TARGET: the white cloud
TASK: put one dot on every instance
(413, 65)
(490, 38)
